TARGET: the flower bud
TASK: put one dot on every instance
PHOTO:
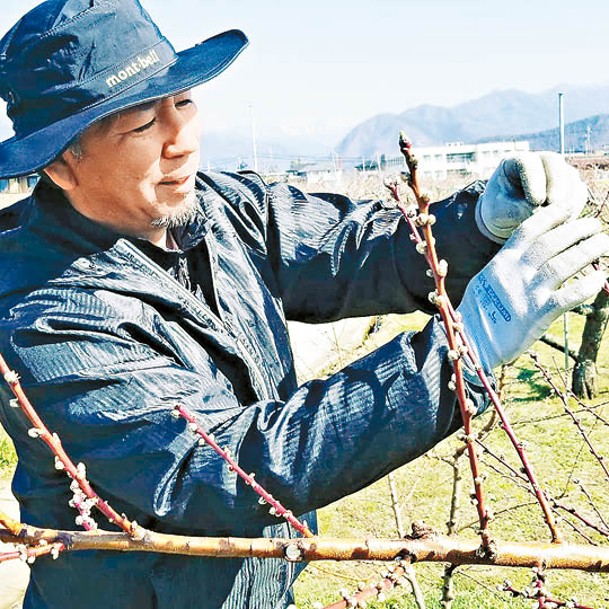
(422, 219)
(470, 407)
(442, 266)
(11, 377)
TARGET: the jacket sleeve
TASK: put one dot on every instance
(333, 257)
(108, 391)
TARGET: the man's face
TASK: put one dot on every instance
(137, 171)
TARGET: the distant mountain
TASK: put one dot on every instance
(497, 115)
(588, 134)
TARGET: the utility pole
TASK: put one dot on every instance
(561, 138)
(561, 124)
(254, 151)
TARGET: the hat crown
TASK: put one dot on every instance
(69, 63)
(66, 55)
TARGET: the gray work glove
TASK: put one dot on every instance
(522, 184)
(512, 301)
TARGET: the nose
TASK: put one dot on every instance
(182, 132)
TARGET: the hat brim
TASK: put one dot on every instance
(194, 66)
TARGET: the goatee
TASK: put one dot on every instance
(182, 215)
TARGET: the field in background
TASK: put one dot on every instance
(424, 486)
(556, 449)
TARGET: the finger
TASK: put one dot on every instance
(559, 239)
(542, 221)
(527, 172)
(564, 184)
(577, 292)
(574, 260)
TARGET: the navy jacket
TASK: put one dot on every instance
(109, 333)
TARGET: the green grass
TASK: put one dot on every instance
(8, 457)
(558, 454)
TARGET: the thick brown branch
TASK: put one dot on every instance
(431, 548)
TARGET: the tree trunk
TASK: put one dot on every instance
(584, 374)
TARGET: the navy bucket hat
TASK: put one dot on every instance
(69, 63)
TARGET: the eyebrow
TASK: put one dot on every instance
(143, 107)
(149, 105)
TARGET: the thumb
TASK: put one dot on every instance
(541, 222)
(565, 186)
(527, 174)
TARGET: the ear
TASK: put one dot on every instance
(61, 171)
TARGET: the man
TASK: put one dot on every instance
(131, 283)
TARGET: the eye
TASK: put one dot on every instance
(144, 127)
(182, 103)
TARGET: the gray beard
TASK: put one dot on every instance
(180, 216)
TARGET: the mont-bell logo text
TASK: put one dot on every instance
(141, 62)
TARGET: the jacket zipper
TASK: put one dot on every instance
(214, 321)
(219, 324)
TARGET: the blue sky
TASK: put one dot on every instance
(321, 67)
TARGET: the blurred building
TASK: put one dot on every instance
(454, 159)
(316, 173)
(15, 189)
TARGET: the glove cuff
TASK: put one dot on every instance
(475, 386)
(478, 333)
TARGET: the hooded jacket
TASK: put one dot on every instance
(109, 333)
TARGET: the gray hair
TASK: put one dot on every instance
(75, 147)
